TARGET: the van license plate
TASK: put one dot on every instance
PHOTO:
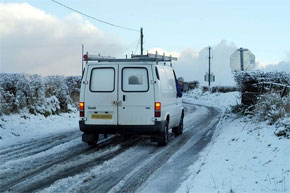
(101, 116)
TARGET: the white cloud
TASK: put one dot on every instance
(283, 66)
(162, 51)
(193, 64)
(280, 67)
(33, 41)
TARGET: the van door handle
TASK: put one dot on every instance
(124, 97)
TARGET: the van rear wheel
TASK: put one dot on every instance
(163, 139)
(90, 138)
(179, 129)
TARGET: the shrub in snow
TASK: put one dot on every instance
(38, 95)
(254, 83)
(52, 106)
(224, 89)
(271, 107)
(55, 86)
(266, 98)
(74, 84)
(283, 127)
(14, 92)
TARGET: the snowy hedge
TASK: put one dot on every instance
(37, 94)
(222, 89)
(252, 84)
(248, 77)
(266, 97)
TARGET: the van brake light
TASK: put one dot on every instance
(82, 109)
(157, 109)
(86, 57)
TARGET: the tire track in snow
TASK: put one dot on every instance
(15, 171)
(35, 148)
(33, 143)
(195, 135)
(74, 163)
(132, 168)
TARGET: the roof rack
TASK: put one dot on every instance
(134, 58)
(155, 57)
(88, 57)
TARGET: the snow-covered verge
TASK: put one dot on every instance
(17, 128)
(219, 100)
(32, 106)
(245, 155)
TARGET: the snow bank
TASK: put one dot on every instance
(219, 100)
(19, 128)
(245, 155)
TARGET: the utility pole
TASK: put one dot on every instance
(209, 57)
(141, 37)
(241, 50)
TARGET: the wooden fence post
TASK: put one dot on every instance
(284, 91)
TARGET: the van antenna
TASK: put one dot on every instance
(82, 58)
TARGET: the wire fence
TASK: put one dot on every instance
(269, 87)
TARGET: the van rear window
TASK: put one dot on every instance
(102, 80)
(135, 79)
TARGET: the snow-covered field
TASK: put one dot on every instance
(244, 156)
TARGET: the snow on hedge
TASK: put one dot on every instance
(245, 78)
(266, 104)
(37, 94)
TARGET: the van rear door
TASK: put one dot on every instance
(101, 95)
(136, 94)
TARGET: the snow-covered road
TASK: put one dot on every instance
(62, 163)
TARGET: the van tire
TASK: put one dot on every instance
(163, 138)
(90, 138)
(179, 129)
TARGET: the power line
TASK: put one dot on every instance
(137, 45)
(91, 17)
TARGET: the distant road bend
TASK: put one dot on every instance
(62, 163)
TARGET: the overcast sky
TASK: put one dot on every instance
(43, 37)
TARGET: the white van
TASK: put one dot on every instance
(137, 95)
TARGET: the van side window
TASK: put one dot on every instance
(102, 80)
(135, 79)
(163, 78)
(170, 79)
(157, 73)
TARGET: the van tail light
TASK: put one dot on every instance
(82, 109)
(85, 57)
(157, 109)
